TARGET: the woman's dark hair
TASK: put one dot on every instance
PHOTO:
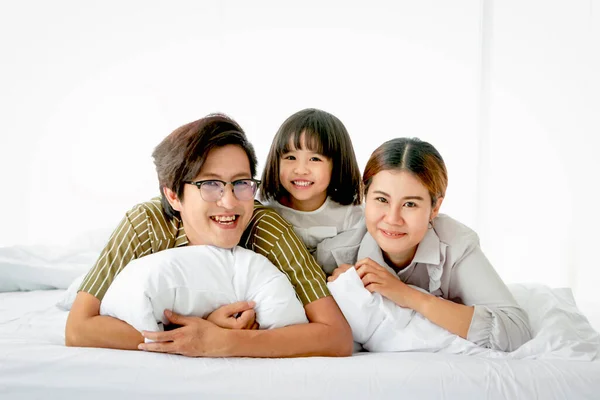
(412, 155)
(324, 134)
(180, 156)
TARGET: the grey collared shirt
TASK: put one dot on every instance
(449, 263)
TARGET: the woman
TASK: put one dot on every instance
(405, 237)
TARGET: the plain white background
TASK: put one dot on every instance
(506, 90)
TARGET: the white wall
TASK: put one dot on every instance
(538, 216)
(89, 90)
(507, 91)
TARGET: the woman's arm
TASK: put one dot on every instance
(482, 309)
(498, 321)
(453, 317)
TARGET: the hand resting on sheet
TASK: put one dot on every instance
(195, 281)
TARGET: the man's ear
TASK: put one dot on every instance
(436, 208)
(172, 198)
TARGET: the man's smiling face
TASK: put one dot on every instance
(220, 223)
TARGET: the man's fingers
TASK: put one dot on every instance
(227, 323)
(245, 320)
(166, 336)
(162, 341)
(175, 318)
(238, 307)
(159, 347)
(229, 316)
(220, 318)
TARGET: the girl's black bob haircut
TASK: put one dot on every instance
(324, 134)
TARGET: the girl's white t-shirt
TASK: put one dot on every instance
(327, 221)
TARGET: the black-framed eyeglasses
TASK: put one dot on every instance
(213, 189)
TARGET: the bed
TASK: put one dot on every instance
(563, 361)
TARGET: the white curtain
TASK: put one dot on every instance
(506, 90)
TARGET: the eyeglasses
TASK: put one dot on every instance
(213, 189)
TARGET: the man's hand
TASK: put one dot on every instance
(238, 315)
(338, 271)
(195, 338)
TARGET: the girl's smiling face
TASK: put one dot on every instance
(306, 175)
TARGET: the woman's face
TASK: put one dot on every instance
(397, 212)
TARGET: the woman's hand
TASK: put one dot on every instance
(378, 279)
(338, 271)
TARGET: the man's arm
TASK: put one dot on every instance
(328, 334)
(87, 328)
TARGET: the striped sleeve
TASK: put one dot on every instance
(270, 235)
(129, 241)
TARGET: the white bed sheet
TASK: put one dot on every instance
(34, 363)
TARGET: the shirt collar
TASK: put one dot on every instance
(428, 253)
(369, 248)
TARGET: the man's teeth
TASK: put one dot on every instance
(224, 219)
(302, 183)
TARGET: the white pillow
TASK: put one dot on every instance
(196, 280)
(379, 325)
(559, 329)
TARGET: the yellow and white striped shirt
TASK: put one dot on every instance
(145, 230)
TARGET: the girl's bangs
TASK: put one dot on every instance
(294, 140)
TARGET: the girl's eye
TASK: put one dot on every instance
(291, 158)
(410, 204)
(381, 199)
(315, 159)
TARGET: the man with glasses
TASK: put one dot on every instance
(206, 175)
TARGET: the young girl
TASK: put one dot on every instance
(312, 178)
